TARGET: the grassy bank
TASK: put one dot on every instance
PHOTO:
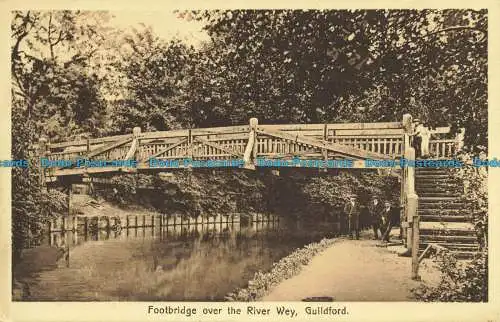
(285, 268)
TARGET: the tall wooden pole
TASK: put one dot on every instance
(405, 183)
(413, 242)
(416, 247)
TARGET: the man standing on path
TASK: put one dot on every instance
(390, 216)
(375, 209)
(352, 211)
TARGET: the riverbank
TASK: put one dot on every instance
(354, 270)
(286, 267)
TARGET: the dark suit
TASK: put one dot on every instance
(375, 212)
(352, 212)
(390, 218)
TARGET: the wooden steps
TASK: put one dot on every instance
(458, 254)
(444, 219)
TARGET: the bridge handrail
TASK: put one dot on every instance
(230, 130)
(245, 128)
(387, 139)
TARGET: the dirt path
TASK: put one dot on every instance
(351, 270)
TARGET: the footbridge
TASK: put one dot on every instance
(243, 146)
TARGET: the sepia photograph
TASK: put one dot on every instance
(305, 155)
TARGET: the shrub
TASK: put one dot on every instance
(285, 268)
(460, 281)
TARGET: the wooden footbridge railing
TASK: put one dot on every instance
(355, 141)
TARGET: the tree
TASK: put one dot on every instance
(55, 71)
(156, 74)
(344, 65)
(54, 93)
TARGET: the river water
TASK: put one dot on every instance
(189, 262)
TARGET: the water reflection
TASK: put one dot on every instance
(160, 258)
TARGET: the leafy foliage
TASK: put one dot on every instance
(54, 94)
(460, 282)
(157, 74)
(356, 65)
(52, 72)
(191, 194)
(32, 206)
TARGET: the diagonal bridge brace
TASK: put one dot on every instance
(217, 146)
(169, 148)
(109, 147)
(328, 146)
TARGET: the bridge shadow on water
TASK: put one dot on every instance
(155, 259)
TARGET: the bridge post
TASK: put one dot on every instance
(405, 220)
(253, 126)
(459, 140)
(190, 146)
(136, 132)
(251, 148)
(410, 199)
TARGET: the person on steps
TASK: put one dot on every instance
(425, 136)
(420, 140)
(416, 138)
